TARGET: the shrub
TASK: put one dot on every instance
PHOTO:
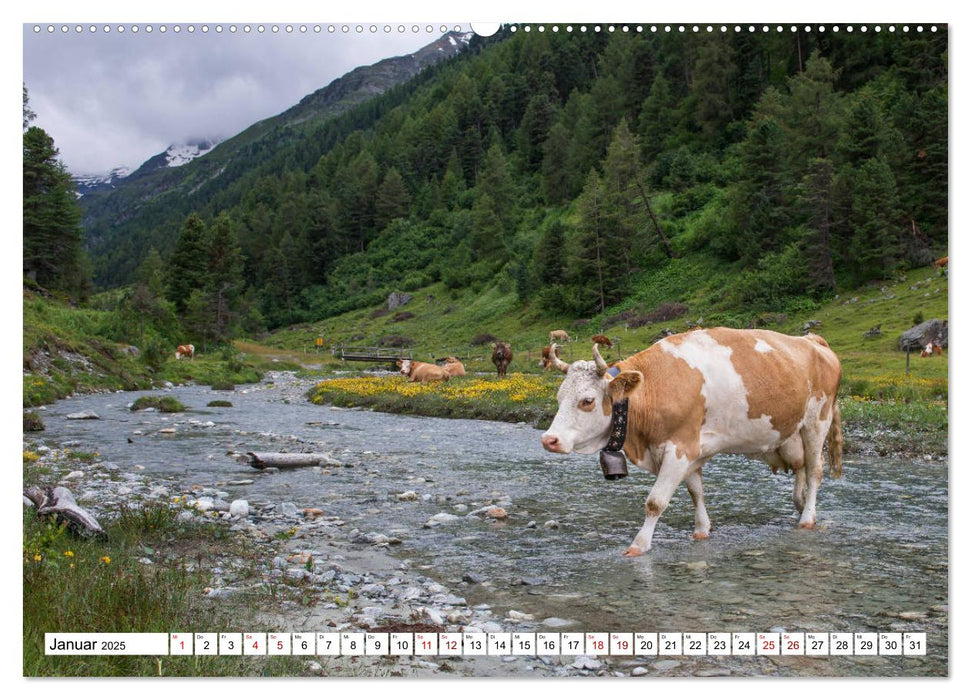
(483, 339)
(402, 316)
(219, 404)
(165, 404)
(396, 341)
(32, 422)
(155, 353)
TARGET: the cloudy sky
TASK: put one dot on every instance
(115, 98)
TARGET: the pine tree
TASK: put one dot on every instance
(224, 282)
(187, 266)
(712, 88)
(53, 255)
(817, 199)
(392, 199)
(876, 244)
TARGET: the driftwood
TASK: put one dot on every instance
(286, 460)
(59, 503)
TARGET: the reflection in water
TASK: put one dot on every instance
(880, 548)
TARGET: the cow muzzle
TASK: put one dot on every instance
(551, 443)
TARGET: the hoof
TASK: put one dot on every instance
(700, 535)
(633, 551)
(807, 526)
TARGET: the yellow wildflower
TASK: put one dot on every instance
(106, 559)
(69, 553)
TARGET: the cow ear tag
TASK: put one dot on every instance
(613, 462)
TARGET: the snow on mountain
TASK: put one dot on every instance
(180, 154)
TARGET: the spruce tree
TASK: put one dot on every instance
(53, 254)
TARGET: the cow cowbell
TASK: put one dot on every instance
(613, 462)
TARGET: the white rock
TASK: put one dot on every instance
(74, 475)
(407, 496)
(239, 507)
(441, 518)
(517, 616)
(204, 503)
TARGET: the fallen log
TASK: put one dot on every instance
(286, 460)
(59, 503)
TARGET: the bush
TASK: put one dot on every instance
(165, 404)
(219, 404)
(32, 422)
(396, 341)
(483, 339)
(155, 353)
(233, 360)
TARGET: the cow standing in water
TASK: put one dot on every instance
(691, 396)
(501, 357)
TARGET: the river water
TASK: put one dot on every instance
(877, 561)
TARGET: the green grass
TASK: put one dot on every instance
(66, 351)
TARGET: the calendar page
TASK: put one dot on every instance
(530, 350)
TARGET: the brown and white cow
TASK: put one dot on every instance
(185, 351)
(559, 335)
(547, 361)
(422, 371)
(454, 367)
(931, 349)
(501, 357)
(691, 396)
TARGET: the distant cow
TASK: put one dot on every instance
(422, 371)
(501, 357)
(453, 367)
(942, 262)
(931, 349)
(559, 335)
(694, 395)
(185, 351)
(547, 361)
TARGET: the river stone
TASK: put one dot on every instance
(288, 509)
(73, 475)
(639, 671)
(407, 496)
(587, 663)
(551, 525)
(666, 664)
(204, 503)
(83, 415)
(517, 616)
(555, 622)
(441, 518)
(912, 615)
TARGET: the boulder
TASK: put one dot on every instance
(396, 299)
(920, 335)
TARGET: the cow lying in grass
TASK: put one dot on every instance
(422, 371)
(454, 367)
(694, 395)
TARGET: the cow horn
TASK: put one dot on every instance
(601, 365)
(557, 362)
